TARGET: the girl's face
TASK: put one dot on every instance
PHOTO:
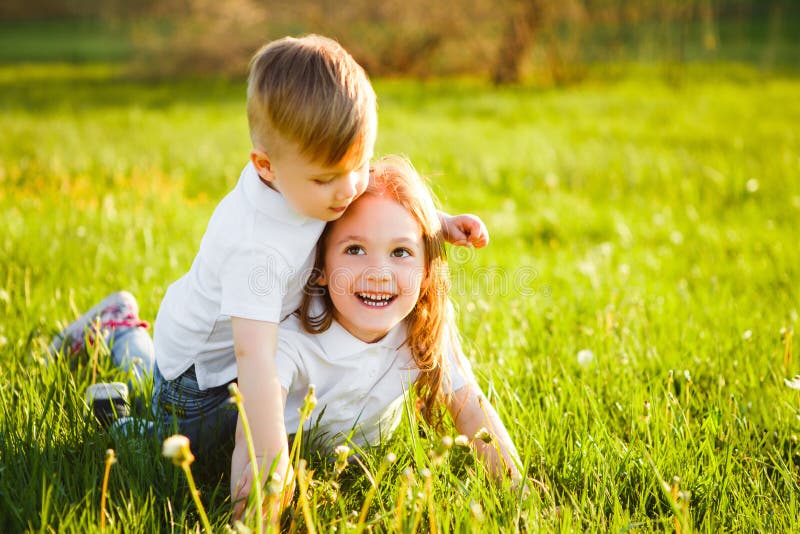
(374, 266)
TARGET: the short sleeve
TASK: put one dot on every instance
(286, 360)
(253, 283)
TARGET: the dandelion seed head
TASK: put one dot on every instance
(408, 472)
(751, 185)
(794, 383)
(173, 445)
(484, 435)
(476, 510)
(177, 449)
(461, 440)
(747, 334)
(585, 357)
(275, 485)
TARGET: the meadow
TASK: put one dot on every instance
(631, 318)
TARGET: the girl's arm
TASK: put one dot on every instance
(471, 411)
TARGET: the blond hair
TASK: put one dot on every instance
(311, 92)
(430, 328)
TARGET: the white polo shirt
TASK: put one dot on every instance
(253, 262)
(360, 387)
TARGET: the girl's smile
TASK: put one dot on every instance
(376, 300)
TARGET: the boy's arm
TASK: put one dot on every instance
(255, 344)
(465, 230)
(471, 411)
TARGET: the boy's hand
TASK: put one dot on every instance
(465, 230)
(277, 496)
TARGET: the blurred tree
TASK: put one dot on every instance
(550, 41)
(554, 26)
(524, 19)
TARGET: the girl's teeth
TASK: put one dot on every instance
(374, 300)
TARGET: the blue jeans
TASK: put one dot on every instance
(132, 351)
(179, 406)
(206, 417)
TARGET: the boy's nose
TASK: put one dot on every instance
(348, 187)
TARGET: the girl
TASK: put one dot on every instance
(376, 320)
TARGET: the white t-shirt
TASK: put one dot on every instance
(254, 260)
(360, 387)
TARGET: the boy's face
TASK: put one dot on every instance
(312, 189)
(374, 265)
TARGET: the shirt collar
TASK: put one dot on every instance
(338, 343)
(267, 200)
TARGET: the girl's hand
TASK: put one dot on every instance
(465, 230)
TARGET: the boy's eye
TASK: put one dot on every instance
(401, 253)
(354, 250)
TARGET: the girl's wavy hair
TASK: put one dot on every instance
(430, 323)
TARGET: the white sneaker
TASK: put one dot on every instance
(108, 401)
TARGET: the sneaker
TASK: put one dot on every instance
(108, 401)
(117, 310)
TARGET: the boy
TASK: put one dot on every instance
(312, 119)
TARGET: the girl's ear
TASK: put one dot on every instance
(321, 279)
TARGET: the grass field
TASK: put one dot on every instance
(648, 222)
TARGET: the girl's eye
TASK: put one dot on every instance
(354, 250)
(322, 182)
(401, 253)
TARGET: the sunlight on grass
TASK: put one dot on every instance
(647, 223)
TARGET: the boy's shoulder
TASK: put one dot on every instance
(254, 216)
(251, 196)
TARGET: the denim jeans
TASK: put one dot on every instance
(179, 406)
(206, 417)
(132, 351)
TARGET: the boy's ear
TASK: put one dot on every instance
(263, 164)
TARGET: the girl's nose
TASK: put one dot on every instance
(378, 272)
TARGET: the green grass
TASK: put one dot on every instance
(649, 222)
(78, 40)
